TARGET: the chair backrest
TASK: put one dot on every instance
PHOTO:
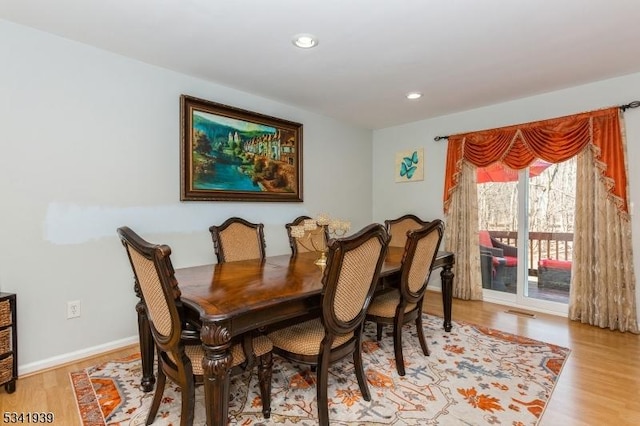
(350, 277)
(398, 228)
(238, 239)
(420, 252)
(154, 274)
(319, 239)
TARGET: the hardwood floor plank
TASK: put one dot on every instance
(598, 385)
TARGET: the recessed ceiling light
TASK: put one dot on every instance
(414, 95)
(305, 41)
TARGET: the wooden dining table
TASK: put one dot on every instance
(234, 298)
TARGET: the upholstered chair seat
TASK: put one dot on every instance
(261, 346)
(305, 338)
(386, 305)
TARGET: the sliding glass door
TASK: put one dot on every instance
(529, 217)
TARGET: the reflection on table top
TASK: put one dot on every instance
(234, 287)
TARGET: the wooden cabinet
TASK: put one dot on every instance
(8, 342)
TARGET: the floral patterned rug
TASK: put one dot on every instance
(474, 376)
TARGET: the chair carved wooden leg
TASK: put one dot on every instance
(322, 388)
(188, 403)
(157, 397)
(423, 341)
(379, 331)
(362, 381)
(397, 346)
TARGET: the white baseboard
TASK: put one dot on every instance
(74, 356)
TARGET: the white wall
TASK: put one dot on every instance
(425, 198)
(90, 142)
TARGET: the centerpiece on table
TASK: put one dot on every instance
(311, 234)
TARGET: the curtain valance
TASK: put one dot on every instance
(554, 140)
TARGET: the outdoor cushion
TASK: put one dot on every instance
(485, 239)
(511, 261)
(496, 261)
(555, 264)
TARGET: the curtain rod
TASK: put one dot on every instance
(634, 104)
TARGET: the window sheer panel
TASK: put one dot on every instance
(461, 237)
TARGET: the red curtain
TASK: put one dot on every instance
(553, 140)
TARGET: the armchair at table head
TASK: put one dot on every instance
(349, 279)
(401, 306)
(398, 228)
(152, 268)
(238, 239)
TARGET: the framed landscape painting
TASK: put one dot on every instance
(230, 154)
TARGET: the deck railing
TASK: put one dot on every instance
(542, 245)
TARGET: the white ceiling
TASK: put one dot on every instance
(461, 54)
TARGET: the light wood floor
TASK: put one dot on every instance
(599, 385)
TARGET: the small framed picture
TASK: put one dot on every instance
(410, 165)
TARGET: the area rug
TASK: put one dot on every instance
(474, 376)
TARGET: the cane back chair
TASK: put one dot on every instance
(154, 273)
(398, 228)
(349, 279)
(404, 305)
(238, 239)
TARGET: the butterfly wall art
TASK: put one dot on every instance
(410, 165)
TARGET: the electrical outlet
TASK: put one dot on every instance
(73, 309)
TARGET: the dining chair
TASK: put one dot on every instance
(349, 279)
(319, 240)
(398, 228)
(152, 269)
(403, 305)
(238, 239)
